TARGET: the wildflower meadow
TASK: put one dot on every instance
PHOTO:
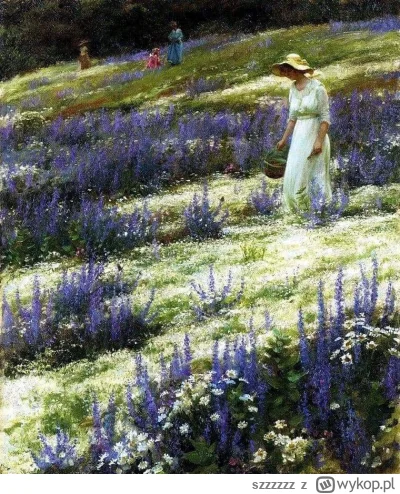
(160, 311)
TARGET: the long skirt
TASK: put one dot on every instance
(175, 53)
(303, 175)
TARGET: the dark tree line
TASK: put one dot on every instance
(34, 33)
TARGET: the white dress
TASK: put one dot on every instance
(308, 107)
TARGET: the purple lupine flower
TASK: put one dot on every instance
(226, 359)
(358, 309)
(354, 445)
(305, 412)
(236, 446)
(391, 380)
(176, 366)
(321, 373)
(269, 322)
(163, 371)
(216, 365)
(374, 285)
(33, 333)
(99, 443)
(9, 335)
(240, 357)
(123, 77)
(211, 300)
(321, 211)
(201, 85)
(251, 369)
(223, 429)
(61, 458)
(339, 319)
(389, 303)
(379, 25)
(187, 358)
(201, 220)
(303, 344)
(36, 83)
(151, 409)
(109, 420)
(207, 432)
(134, 413)
(264, 202)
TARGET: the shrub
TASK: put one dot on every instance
(321, 211)
(264, 202)
(60, 457)
(201, 221)
(100, 230)
(252, 253)
(84, 315)
(28, 122)
(48, 225)
(201, 85)
(41, 81)
(212, 301)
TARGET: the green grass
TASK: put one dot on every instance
(347, 61)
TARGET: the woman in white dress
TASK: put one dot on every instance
(307, 167)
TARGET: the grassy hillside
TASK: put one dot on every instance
(348, 61)
(280, 258)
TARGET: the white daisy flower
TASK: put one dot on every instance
(232, 374)
(184, 429)
(259, 455)
(168, 459)
(143, 465)
(346, 359)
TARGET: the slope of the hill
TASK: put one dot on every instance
(217, 72)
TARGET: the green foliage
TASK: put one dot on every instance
(203, 456)
(284, 376)
(27, 123)
(252, 253)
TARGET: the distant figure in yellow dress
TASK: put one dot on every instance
(84, 59)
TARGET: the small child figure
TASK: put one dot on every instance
(154, 61)
(83, 59)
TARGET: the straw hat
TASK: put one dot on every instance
(294, 61)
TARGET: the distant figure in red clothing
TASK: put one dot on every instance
(84, 59)
(154, 61)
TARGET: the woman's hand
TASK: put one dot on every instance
(317, 148)
(281, 144)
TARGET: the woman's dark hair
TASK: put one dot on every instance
(288, 66)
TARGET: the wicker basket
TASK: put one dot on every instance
(274, 162)
(274, 170)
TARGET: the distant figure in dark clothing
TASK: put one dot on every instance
(84, 59)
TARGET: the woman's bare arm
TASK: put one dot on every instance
(323, 130)
(288, 132)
